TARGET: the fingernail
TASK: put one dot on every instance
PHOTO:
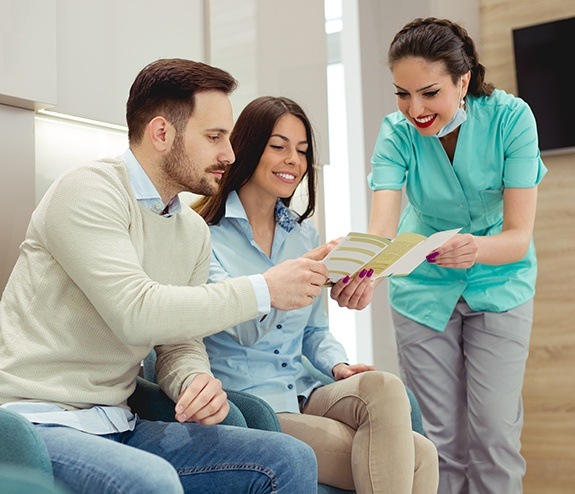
(369, 273)
(432, 261)
(362, 274)
(433, 255)
(346, 280)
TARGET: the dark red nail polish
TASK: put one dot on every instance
(362, 274)
(346, 280)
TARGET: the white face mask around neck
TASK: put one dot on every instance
(459, 117)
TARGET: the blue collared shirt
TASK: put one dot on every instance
(264, 357)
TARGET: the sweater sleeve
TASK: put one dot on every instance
(177, 365)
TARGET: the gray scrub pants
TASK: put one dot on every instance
(468, 383)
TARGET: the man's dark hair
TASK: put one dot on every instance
(167, 88)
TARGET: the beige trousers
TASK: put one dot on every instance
(360, 430)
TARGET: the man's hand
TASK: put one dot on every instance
(343, 371)
(295, 283)
(204, 401)
(356, 293)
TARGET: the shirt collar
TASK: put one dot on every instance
(144, 189)
(285, 217)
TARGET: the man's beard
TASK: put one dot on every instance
(179, 169)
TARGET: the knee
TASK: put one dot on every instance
(425, 450)
(426, 458)
(383, 387)
(297, 463)
(297, 452)
(156, 475)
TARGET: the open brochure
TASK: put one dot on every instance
(387, 257)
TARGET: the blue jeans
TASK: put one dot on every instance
(169, 457)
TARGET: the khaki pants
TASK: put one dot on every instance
(360, 430)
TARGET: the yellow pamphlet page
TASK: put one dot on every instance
(387, 257)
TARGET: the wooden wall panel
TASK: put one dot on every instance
(549, 392)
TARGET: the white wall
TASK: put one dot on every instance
(27, 81)
(16, 183)
(28, 53)
(55, 155)
(103, 44)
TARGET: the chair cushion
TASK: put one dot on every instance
(18, 480)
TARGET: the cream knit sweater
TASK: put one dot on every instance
(100, 280)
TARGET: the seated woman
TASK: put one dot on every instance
(359, 426)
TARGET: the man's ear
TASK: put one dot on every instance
(161, 133)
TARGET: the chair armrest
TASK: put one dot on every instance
(260, 415)
(151, 403)
(257, 413)
(330, 489)
(416, 420)
(20, 480)
(22, 446)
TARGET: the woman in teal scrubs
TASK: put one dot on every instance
(468, 157)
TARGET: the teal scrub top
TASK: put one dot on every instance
(496, 148)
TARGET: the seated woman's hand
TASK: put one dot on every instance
(355, 293)
(343, 370)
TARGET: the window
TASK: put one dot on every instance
(335, 174)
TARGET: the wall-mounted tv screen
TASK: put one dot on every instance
(543, 63)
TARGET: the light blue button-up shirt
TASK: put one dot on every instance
(264, 357)
(496, 148)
